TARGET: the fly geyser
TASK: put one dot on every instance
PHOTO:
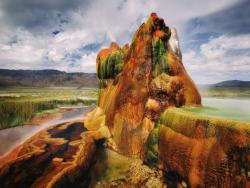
(141, 85)
(140, 81)
(138, 135)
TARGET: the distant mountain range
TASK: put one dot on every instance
(233, 83)
(56, 78)
(46, 78)
(227, 84)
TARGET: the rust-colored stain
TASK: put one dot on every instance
(53, 157)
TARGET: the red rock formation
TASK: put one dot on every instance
(138, 83)
(151, 78)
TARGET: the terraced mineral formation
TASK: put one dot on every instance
(204, 151)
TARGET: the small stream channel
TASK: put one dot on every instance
(13, 137)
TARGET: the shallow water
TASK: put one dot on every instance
(229, 108)
(12, 137)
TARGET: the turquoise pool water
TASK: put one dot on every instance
(229, 108)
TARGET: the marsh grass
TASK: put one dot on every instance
(21, 104)
(231, 92)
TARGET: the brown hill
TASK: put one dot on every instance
(46, 78)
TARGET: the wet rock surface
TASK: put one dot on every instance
(55, 157)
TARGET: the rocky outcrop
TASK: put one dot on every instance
(139, 81)
(140, 85)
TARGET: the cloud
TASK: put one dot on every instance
(231, 20)
(23, 52)
(66, 35)
(39, 16)
(222, 58)
(64, 51)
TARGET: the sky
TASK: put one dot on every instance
(67, 34)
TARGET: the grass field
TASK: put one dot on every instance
(18, 105)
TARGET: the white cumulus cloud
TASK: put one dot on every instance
(27, 40)
(219, 59)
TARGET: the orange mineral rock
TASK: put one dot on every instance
(139, 82)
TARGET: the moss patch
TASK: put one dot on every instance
(151, 149)
(160, 64)
(186, 123)
(111, 66)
